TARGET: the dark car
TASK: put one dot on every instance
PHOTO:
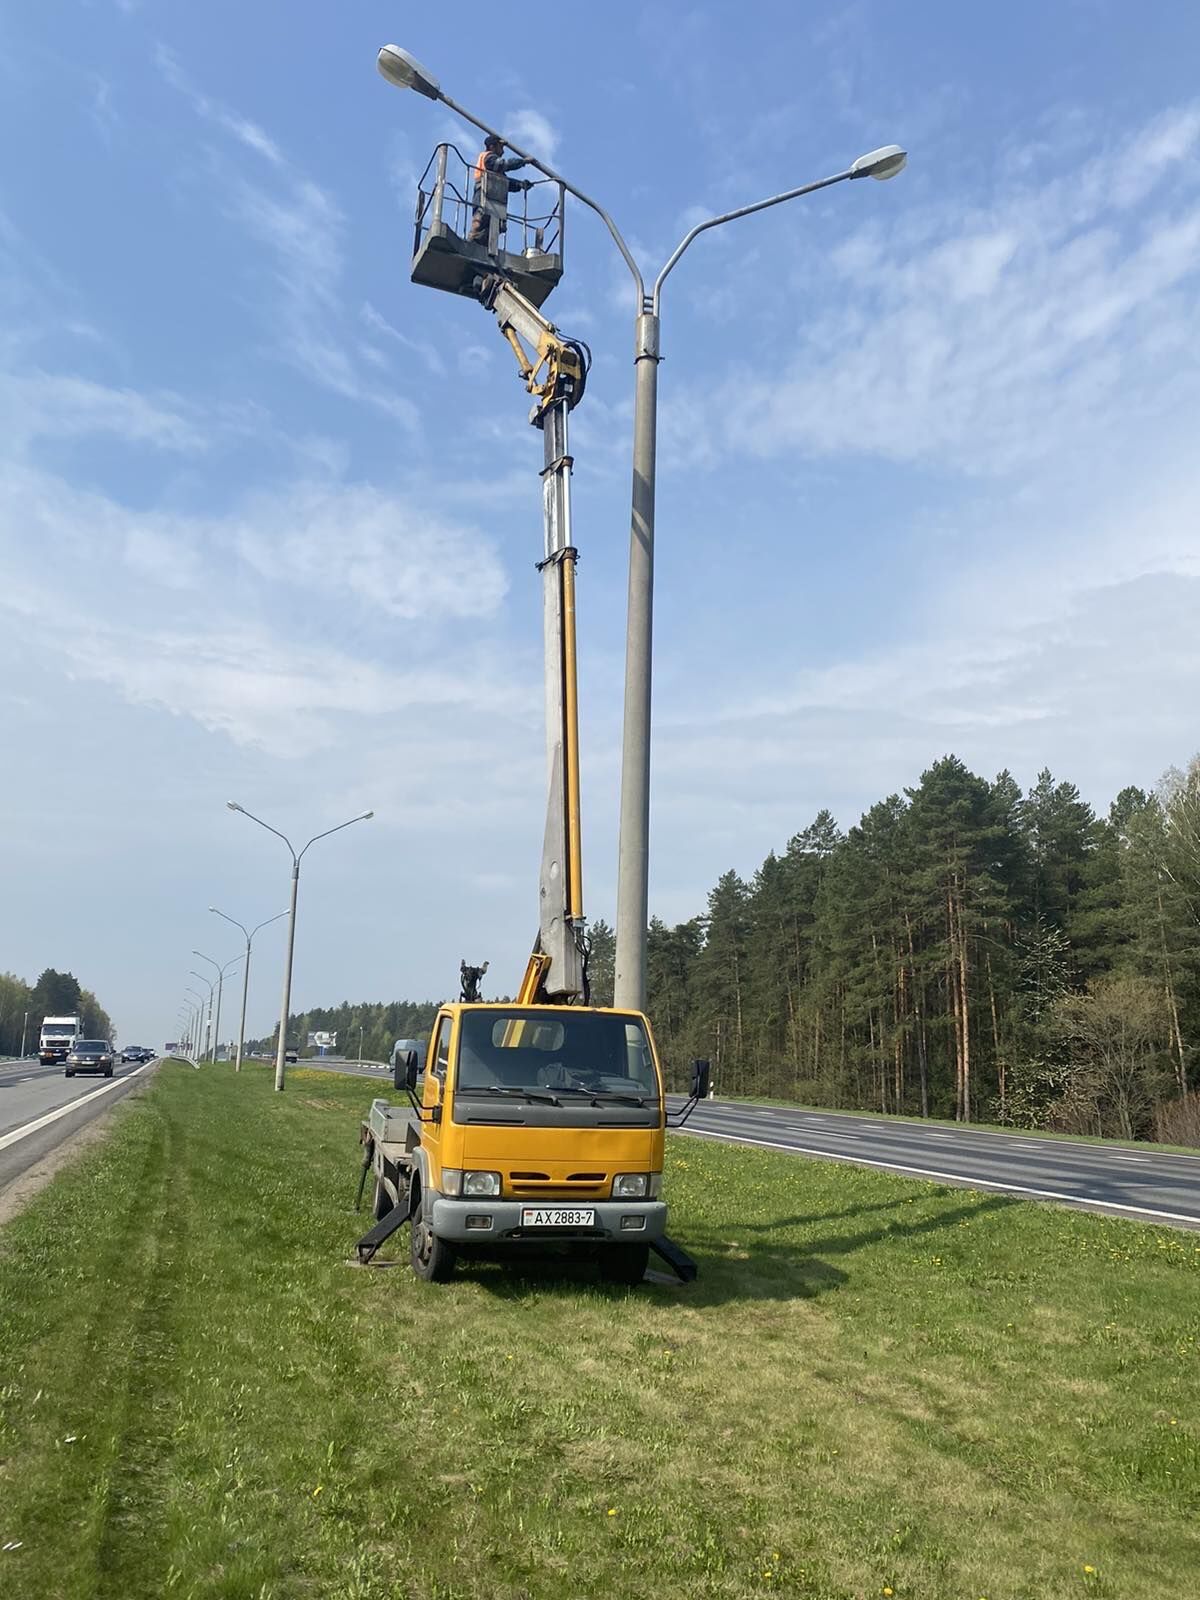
(290, 1055)
(137, 1052)
(90, 1055)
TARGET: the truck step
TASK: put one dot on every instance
(680, 1263)
(383, 1229)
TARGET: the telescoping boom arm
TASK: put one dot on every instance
(555, 372)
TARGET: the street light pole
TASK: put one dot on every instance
(297, 858)
(633, 848)
(194, 974)
(24, 1027)
(246, 974)
(221, 971)
(199, 1010)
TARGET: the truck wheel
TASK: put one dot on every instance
(382, 1202)
(432, 1258)
(624, 1263)
(68, 1073)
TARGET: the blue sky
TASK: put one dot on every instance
(928, 475)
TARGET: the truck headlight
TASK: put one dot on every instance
(480, 1183)
(631, 1186)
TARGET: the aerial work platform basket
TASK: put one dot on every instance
(519, 235)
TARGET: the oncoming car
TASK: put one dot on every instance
(90, 1055)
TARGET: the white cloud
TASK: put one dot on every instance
(242, 128)
(63, 406)
(990, 338)
(533, 131)
(361, 543)
(430, 355)
(301, 227)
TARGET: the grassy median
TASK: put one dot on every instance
(876, 1387)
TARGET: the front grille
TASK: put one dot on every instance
(562, 1188)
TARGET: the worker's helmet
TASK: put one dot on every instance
(493, 142)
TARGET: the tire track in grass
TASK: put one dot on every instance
(131, 1529)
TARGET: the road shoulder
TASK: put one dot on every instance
(17, 1191)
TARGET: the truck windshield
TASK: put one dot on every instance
(569, 1051)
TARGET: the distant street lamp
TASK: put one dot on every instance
(24, 1026)
(403, 70)
(194, 974)
(297, 858)
(221, 971)
(246, 974)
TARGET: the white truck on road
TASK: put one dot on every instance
(57, 1038)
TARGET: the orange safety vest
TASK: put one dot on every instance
(481, 168)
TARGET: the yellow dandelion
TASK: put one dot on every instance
(612, 1511)
(1089, 1570)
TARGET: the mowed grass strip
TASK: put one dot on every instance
(876, 1386)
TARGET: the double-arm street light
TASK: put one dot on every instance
(221, 971)
(192, 973)
(249, 936)
(186, 1017)
(633, 850)
(297, 858)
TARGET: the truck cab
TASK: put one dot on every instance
(533, 1128)
(57, 1038)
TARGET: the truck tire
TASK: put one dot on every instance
(382, 1202)
(432, 1258)
(68, 1073)
(625, 1264)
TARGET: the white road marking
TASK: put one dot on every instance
(955, 1177)
(919, 1125)
(27, 1128)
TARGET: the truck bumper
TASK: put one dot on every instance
(462, 1221)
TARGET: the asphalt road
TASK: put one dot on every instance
(1122, 1180)
(39, 1108)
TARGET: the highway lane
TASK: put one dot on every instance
(1121, 1180)
(40, 1107)
(375, 1070)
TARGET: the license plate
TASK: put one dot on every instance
(557, 1217)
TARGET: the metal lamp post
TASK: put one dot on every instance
(199, 1010)
(297, 858)
(211, 990)
(633, 849)
(221, 971)
(246, 973)
(24, 1027)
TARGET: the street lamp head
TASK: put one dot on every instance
(366, 816)
(883, 163)
(406, 72)
(233, 805)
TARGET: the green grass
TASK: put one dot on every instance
(1145, 1146)
(875, 1386)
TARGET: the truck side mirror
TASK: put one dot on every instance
(701, 1078)
(404, 1070)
